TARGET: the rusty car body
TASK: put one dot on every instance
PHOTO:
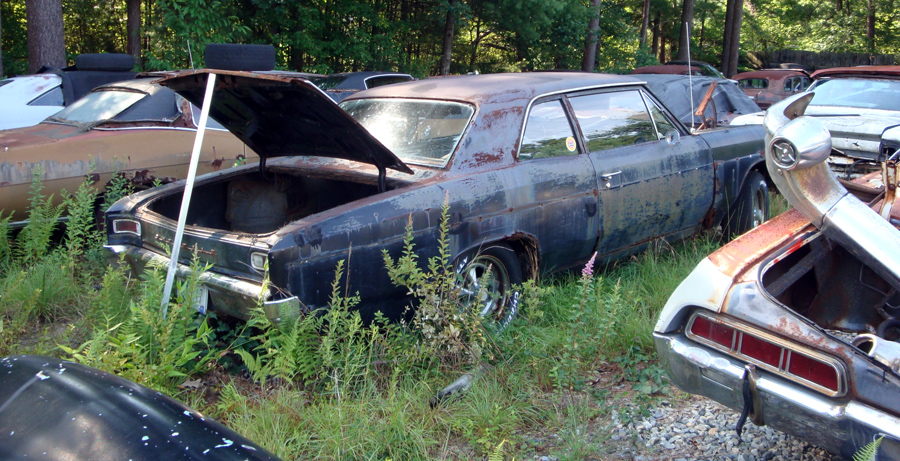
(796, 323)
(135, 127)
(58, 410)
(768, 86)
(540, 170)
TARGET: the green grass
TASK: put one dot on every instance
(343, 390)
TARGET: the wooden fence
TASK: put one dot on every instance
(811, 60)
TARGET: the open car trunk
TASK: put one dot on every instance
(832, 288)
(253, 204)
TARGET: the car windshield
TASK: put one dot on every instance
(868, 93)
(419, 132)
(98, 106)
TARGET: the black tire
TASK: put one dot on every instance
(230, 56)
(751, 207)
(105, 61)
(499, 303)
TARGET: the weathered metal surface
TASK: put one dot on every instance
(57, 410)
(554, 212)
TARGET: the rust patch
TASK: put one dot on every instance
(747, 250)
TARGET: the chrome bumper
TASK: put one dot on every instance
(230, 295)
(839, 427)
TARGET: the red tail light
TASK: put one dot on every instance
(127, 226)
(785, 358)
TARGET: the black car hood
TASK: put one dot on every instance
(283, 116)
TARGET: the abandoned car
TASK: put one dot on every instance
(29, 99)
(768, 86)
(796, 323)
(857, 104)
(57, 410)
(725, 103)
(135, 127)
(339, 86)
(540, 170)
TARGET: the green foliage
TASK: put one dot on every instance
(148, 349)
(117, 187)
(182, 28)
(82, 233)
(34, 239)
(450, 329)
(868, 452)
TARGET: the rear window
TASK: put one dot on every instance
(100, 105)
(758, 83)
(419, 132)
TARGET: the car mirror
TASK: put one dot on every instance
(800, 143)
(673, 137)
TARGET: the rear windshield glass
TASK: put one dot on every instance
(867, 93)
(419, 132)
(99, 105)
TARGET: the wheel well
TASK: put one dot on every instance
(526, 248)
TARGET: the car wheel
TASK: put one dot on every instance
(486, 279)
(104, 61)
(230, 56)
(751, 207)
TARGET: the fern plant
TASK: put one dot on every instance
(35, 238)
(869, 452)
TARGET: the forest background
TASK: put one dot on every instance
(431, 37)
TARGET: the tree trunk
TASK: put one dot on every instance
(447, 46)
(590, 45)
(870, 25)
(133, 30)
(727, 35)
(1, 52)
(46, 46)
(656, 34)
(662, 49)
(645, 23)
(735, 38)
(687, 23)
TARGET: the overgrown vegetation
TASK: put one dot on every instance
(329, 385)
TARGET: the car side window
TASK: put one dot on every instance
(804, 83)
(53, 97)
(663, 124)
(789, 85)
(613, 119)
(547, 132)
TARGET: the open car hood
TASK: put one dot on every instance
(283, 116)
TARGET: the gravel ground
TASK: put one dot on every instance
(700, 429)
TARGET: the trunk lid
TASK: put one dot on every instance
(284, 116)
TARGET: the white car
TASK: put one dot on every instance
(28, 99)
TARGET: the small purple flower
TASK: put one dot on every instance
(588, 270)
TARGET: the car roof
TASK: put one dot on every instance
(859, 71)
(488, 87)
(665, 69)
(770, 73)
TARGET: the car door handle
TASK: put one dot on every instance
(607, 178)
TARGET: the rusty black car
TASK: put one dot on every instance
(541, 170)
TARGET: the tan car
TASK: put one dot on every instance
(136, 127)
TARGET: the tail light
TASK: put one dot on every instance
(797, 363)
(126, 226)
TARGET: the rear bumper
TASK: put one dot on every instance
(841, 428)
(230, 295)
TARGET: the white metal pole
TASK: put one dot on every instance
(188, 190)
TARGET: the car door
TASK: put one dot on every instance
(556, 187)
(649, 186)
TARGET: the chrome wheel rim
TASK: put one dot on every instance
(758, 215)
(484, 285)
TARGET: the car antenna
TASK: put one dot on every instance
(687, 30)
(190, 56)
